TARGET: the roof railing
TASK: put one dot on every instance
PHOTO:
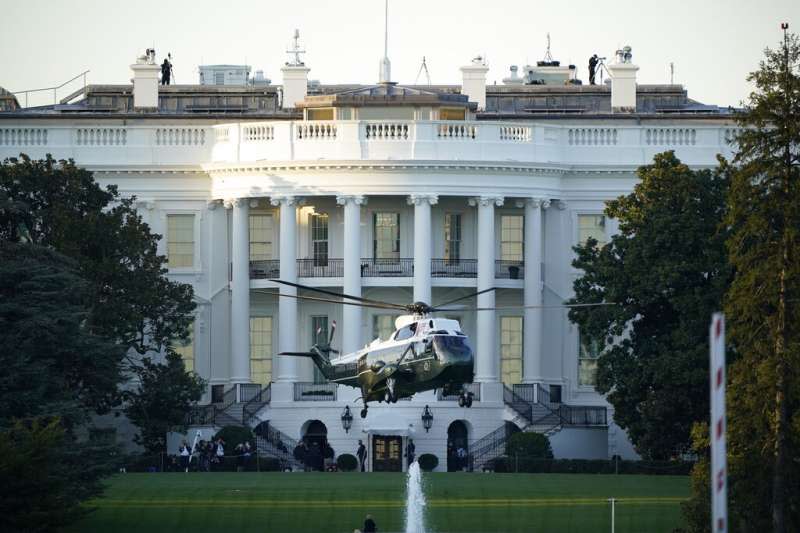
(54, 89)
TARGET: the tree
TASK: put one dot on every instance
(664, 273)
(160, 403)
(761, 306)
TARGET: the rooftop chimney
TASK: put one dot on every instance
(623, 82)
(474, 81)
(295, 76)
(145, 81)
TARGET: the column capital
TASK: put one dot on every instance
(230, 203)
(358, 199)
(486, 200)
(288, 199)
(418, 199)
(213, 204)
(143, 203)
(560, 204)
(535, 202)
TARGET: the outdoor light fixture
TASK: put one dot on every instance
(427, 419)
(347, 419)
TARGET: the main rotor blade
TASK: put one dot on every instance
(299, 354)
(463, 298)
(315, 299)
(339, 294)
(333, 330)
(510, 307)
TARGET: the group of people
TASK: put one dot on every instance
(457, 457)
(211, 454)
(313, 455)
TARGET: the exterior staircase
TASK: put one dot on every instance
(272, 442)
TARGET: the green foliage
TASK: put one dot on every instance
(763, 318)
(529, 445)
(159, 404)
(346, 462)
(46, 474)
(428, 462)
(233, 436)
(590, 466)
(665, 272)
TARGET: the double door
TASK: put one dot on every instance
(387, 453)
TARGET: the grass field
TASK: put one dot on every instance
(337, 502)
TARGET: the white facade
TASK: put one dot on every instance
(221, 173)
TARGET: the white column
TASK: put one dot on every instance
(351, 314)
(487, 356)
(532, 322)
(240, 293)
(287, 307)
(422, 245)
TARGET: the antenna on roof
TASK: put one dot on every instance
(296, 50)
(547, 56)
(671, 73)
(423, 68)
(386, 65)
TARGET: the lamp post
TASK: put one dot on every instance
(427, 419)
(347, 419)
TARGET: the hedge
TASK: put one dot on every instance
(346, 462)
(589, 466)
(428, 462)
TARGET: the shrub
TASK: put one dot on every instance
(588, 466)
(428, 462)
(234, 435)
(529, 445)
(346, 462)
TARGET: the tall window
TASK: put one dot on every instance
(452, 236)
(386, 228)
(383, 326)
(588, 352)
(319, 238)
(511, 349)
(511, 227)
(319, 335)
(180, 241)
(261, 349)
(186, 350)
(592, 226)
(261, 234)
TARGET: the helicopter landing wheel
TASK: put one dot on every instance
(462, 402)
(468, 400)
(364, 413)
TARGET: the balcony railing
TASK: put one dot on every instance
(509, 269)
(320, 268)
(387, 268)
(454, 268)
(268, 269)
(315, 392)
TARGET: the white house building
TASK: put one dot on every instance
(397, 193)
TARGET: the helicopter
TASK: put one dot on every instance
(423, 353)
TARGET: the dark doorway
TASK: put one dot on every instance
(457, 446)
(316, 438)
(387, 454)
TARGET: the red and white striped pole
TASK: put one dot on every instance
(719, 474)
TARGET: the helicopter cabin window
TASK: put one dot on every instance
(511, 227)
(588, 352)
(325, 113)
(452, 237)
(511, 349)
(261, 233)
(452, 113)
(406, 332)
(386, 228)
(593, 226)
(186, 350)
(319, 238)
(383, 326)
(319, 335)
(261, 349)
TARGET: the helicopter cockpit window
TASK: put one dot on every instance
(406, 332)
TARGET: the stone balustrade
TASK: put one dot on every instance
(482, 142)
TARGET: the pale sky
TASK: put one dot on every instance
(713, 43)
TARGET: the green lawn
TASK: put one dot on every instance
(337, 502)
